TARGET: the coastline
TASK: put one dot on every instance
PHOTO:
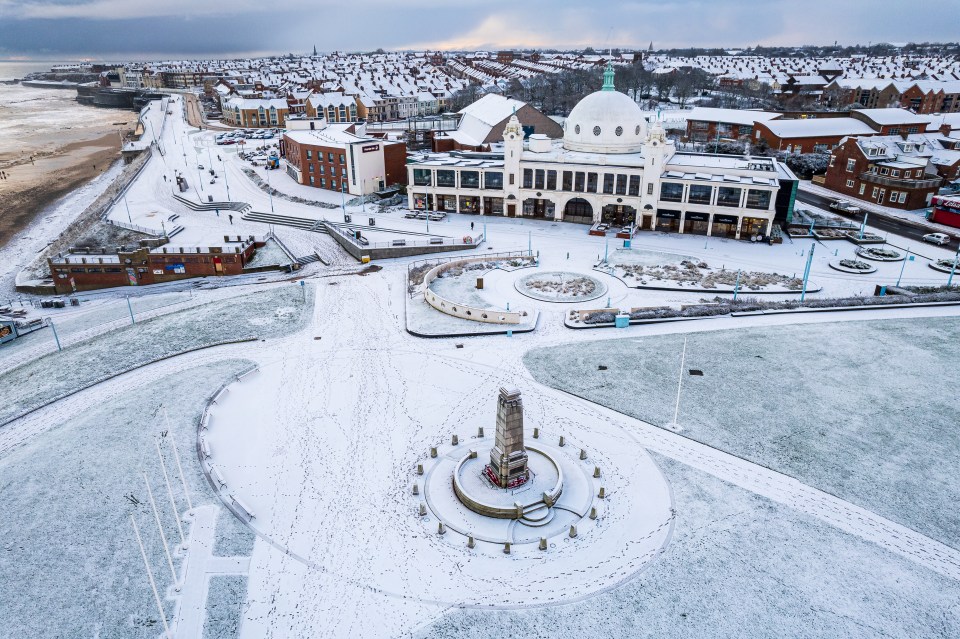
(71, 144)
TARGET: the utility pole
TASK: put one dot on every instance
(806, 272)
(906, 259)
(676, 410)
(953, 268)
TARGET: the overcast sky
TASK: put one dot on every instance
(111, 29)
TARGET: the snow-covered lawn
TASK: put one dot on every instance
(738, 566)
(69, 563)
(274, 311)
(857, 409)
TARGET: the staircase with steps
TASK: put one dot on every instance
(283, 220)
(239, 207)
(537, 514)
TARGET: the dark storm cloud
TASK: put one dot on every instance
(103, 28)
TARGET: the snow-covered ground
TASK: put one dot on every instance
(811, 485)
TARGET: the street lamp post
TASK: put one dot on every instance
(270, 190)
(906, 259)
(953, 268)
(127, 206)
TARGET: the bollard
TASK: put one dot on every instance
(596, 472)
(603, 493)
(416, 488)
(423, 510)
(441, 529)
(536, 433)
(563, 441)
(593, 512)
(583, 454)
(470, 542)
(455, 440)
(543, 543)
(433, 451)
(506, 548)
(573, 531)
(480, 432)
(473, 454)
(419, 469)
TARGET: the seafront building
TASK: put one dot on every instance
(611, 166)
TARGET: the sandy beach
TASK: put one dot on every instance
(49, 146)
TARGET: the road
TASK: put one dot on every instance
(898, 227)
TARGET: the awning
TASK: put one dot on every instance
(725, 219)
(697, 217)
(668, 215)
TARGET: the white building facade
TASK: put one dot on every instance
(610, 167)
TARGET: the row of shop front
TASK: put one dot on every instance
(580, 211)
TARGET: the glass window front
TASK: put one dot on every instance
(591, 182)
(493, 180)
(634, 185)
(758, 199)
(700, 194)
(528, 178)
(608, 183)
(538, 179)
(728, 196)
(621, 184)
(567, 181)
(446, 178)
(671, 192)
(421, 177)
(579, 183)
(551, 180)
(470, 179)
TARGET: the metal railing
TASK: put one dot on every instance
(885, 180)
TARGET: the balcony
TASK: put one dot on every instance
(886, 180)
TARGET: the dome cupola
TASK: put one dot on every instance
(606, 121)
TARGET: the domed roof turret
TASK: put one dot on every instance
(606, 121)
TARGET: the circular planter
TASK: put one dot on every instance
(590, 288)
(852, 266)
(944, 266)
(876, 255)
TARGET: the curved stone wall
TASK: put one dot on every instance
(464, 311)
(501, 512)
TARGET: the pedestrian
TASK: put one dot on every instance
(471, 226)
(231, 219)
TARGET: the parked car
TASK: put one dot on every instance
(937, 238)
(845, 207)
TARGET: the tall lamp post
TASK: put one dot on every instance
(953, 268)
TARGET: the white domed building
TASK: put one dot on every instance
(612, 170)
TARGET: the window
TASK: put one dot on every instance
(862, 187)
(470, 179)
(512, 178)
(342, 158)
(700, 194)
(608, 180)
(446, 178)
(728, 196)
(311, 181)
(309, 155)
(650, 188)
(851, 166)
(323, 169)
(820, 148)
(850, 184)
(578, 184)
(671, 192)
(757, 199)
(576, 129)
(884, 170)
(421, 177)
(619, 131)
(567, 184)
(873, 194)
(596, 130)
(591, 182)
(894, 130)
(323, 183)
(912, 129)
(329, 157)
(333, 184)
(310, 168)
(551, 180)
(621, 184)
(634, 188)
(895, 173)
(538, 179)
(493, 180)
(528, 178)
(903, 197)
(343, 172)
(894, 195)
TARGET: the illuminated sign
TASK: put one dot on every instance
(370, 147)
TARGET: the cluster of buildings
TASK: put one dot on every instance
(889, 156)
(608, 166)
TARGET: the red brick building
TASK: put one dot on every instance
(85, 270)
(820, 135)
(892, 171)
(335, 157)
